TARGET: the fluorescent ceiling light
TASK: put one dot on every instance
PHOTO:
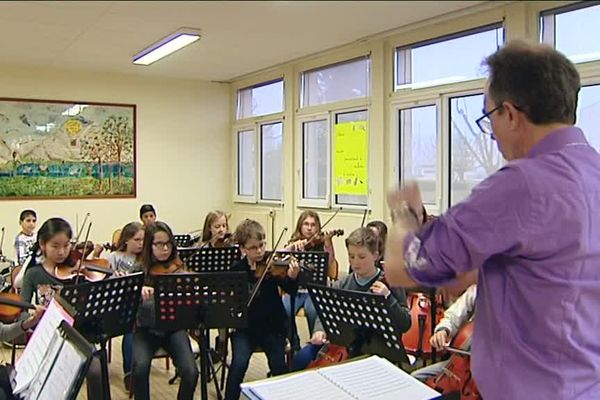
(166, 46)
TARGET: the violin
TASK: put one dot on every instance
(318, 239)
(225, 241)
(456, 376)
(278, 265)
(175, 267)
(76, 267)
(11, 307)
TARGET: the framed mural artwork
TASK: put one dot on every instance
(62, 149)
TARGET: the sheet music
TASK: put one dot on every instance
(375, 378)
(307, 385)
(46, 366)
(31, 359)
(63, 374)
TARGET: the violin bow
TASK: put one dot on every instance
(364, 218)
(2, 243)
(324, 224)
(264, 274)
(80, 229)
(87, 235)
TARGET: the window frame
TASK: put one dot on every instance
(237, 118)
(299, 150)
(301, 84)
(397, 161)
(237, 197)
(259, 161)
(438, 39)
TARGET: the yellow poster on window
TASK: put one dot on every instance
(351, 144)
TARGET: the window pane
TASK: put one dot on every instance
(419, 65)
(350, 117)
(337, 82)
(418, 149)
(246, 163)
(573, 33)
(271, 142)
(314, 158)
(473, 155)
(588, 114)
(260, 100)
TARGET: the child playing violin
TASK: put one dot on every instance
(159, 255)
(307, 228)
(455, 317)
(267, 320)
(52, 248)
(362, 245)
(216, 230)
(125, 259)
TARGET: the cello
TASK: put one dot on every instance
(456, 376)
(416, 339)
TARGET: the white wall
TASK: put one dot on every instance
(183, 148)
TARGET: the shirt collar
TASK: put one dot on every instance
(557, 140)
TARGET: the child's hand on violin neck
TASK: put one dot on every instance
(293, 269)
(298, 245)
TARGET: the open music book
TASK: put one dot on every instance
(44, 339)
(372, 378)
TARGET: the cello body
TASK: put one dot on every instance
(456, 376)
(416, 339)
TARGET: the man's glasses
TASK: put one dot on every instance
(484, 123)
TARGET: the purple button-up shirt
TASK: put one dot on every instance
(533, 231)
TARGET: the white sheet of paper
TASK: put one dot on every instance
(306, 385)
(375, 378)
(31, 359)
(63, 374)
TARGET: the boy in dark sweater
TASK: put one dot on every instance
(267, 319)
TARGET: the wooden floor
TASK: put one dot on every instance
(159, 386)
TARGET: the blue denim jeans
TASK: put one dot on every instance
(305, 356)
(243, 346)
(126, 351)
(302, 300)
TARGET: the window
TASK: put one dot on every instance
(343, 81)
(418, 149)
(588, 114)
(572, 31)
(246, 176)
(315, 148)
(473, 155)
(271, 171)
(418, 65)
(263, 99)
(351, 117)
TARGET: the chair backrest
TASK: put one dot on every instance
(115, 237)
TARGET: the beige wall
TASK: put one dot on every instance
(183, 148)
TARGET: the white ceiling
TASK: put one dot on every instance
(238, 37)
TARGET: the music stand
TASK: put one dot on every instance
(103, 310)
(185, 252)
(184, 240)
(202, 301)
(211, 259)
(64, 366)
(361, 321)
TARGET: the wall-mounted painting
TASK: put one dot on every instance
(60, 149)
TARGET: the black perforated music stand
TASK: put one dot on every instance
(202, 301)
(361, 321)
(211, 259)
(185, 252)
(104, 309)
(184, 240)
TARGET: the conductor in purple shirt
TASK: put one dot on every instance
(529, 234)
